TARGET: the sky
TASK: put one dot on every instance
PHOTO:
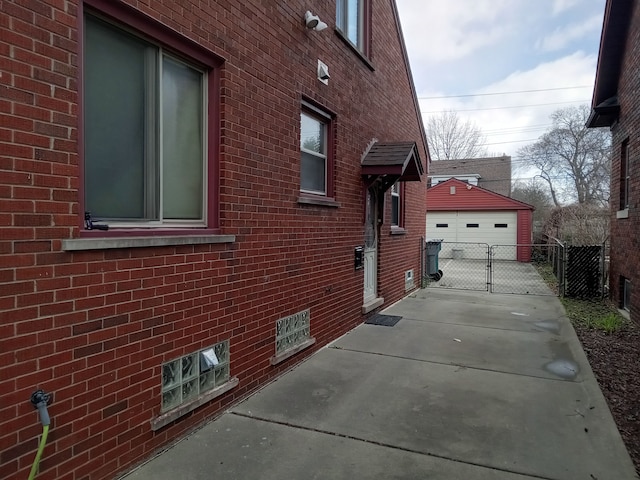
(462, 52)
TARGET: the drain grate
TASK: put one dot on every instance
(383, 320)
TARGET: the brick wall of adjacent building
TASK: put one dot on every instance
(94, 327)
(625, 232)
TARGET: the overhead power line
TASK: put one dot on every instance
(503, 108)
(504, 93)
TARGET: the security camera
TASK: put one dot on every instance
(313, 22)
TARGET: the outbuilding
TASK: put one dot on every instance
(459, 212)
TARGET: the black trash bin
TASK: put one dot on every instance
(433, 247)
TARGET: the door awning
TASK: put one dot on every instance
(388, 163)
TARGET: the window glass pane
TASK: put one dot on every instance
(340, 18)
(115, 65)
(353, 18)
(395, 209)
(626, 302)
(182, 141)
(312, 173)
(312, 134)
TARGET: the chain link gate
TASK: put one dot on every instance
(492, 268)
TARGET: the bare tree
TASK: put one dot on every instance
(574, 161)
(451, 138)
(578, 224)
(535, 193)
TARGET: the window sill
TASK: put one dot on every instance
(355, 50)
(281, 357)
(106, 243)
(319, 201)
(172, 415)
(622, 213)
(398, 231)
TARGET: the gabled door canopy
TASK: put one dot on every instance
(387, 163)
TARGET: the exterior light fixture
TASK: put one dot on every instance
(313, 22)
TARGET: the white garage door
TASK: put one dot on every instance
(492, 228)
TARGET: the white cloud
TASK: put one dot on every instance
(451, 30)
(561, 37)
(560, 6)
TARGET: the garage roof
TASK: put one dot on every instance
(457, 195)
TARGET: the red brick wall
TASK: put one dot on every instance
(625, 232)
(94, 327)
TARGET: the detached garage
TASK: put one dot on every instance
(460, 212)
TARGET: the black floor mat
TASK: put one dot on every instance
(383, 320)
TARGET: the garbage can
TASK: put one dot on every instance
(433, 248)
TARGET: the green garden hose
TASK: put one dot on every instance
(39, 400)
(36, 462)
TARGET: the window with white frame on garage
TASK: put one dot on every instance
(145, 130)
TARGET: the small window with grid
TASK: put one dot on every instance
(187, 377)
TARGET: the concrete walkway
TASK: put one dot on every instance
(467, 385)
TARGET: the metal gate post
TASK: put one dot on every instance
(489, 269)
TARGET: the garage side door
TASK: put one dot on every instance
(493, 228)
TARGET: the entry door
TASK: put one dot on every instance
(371, 247)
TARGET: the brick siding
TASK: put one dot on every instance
(94, 327)
(625, 232)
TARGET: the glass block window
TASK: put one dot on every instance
(187, 377)
(292, 331)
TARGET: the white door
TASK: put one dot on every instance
(492, 228)
(370, 248)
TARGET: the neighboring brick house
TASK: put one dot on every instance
(491, 173)
(260, 184)
(616, 104)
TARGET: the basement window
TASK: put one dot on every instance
(187, 377)
(293, 334)
(626, 294)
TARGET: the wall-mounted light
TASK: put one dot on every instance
(313, 22)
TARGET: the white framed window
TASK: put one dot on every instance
(352, 20)
(314, 151)
(625, 175)
(184, 378)
(396, 205)
(145, 131)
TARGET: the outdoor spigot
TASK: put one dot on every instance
(40, 400)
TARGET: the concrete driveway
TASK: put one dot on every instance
(467, 385)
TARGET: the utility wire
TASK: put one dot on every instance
(502, 108)
(504, 93)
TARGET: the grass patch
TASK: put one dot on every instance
(595, 314)
(590, 313)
